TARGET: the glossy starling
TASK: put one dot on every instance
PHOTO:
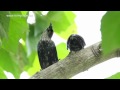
(75, 42)
(47, 52)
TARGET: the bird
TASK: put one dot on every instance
(47, 52)
(75, 42)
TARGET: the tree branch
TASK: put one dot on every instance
(75, 63)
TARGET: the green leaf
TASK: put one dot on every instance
(63, 22)
(31, 59)
(115, 76)
(35, 66)
(110, 29)
(24, 12)
(7, 63)
(21, 57)
(4, 23)
(17, 27)
(2, 74)
(61, 48)
(11, 54)
(0, 42)
(41, 23)
(30, 40)
(2, 32)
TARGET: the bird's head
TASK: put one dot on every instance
(50, 31)
(75, 42)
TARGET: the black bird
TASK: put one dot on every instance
(47, 52)
(75, 42)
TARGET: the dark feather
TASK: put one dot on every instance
(47, 53)
(75, 42)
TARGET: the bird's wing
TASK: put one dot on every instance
(47, 53)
